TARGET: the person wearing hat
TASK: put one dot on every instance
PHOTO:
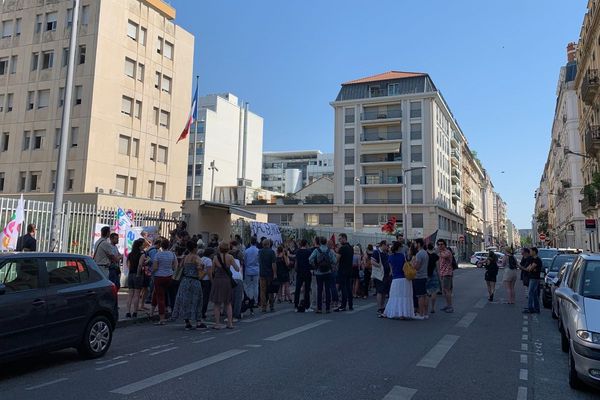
(382, 287)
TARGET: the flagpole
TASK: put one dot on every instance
(195, 144)
(59, 190)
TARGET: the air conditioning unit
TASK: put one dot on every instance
(99, 189)
(117, 192)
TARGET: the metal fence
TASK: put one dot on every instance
(78, 222)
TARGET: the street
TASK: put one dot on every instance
(482, 351)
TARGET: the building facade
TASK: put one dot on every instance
(228, 147)
(289, 171)
(473, 177)
(132, 86)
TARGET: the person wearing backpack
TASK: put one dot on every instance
(323, 259)
(509, 262)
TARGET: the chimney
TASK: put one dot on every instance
(571, 50)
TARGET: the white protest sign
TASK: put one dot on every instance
(267, 230)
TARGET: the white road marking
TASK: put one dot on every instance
(159, 346)
(361, 308)
(46, 384)
(400, 393)
(481, 303)
(232, 332)
(466, 321)
(524, 347)
(525, 322)
(524, 337)
(522, 393)
(525, 329)
(295, 331)
(203, 340)
(438, 352)
(254, 346)
(524, 358)
(164, 350)
(268, 315)
(111, 365)
(177, 372)
(523, 374)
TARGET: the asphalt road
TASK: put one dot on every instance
(482, 351)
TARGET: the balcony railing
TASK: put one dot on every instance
(378, 115)
(377, 136)
(592, 139)
(455, 154)
(381, 180)
(383, 201)
(377, 158)
(590, 86)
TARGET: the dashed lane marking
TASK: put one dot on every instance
(524, 359)
(524, 347)
(400, 393)
(45, 384)
(361, 308)
(164, 350)
(525, 337)
(481, 303)
(467, 320)
(522, 393)
(253, 346)
(433, 358)
(523, 374)
(269, 315)
(297, 330)
(111, 365)
(204, 340)
(232, 332)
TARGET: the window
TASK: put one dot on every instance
(22, 181)
(311, 219)
(349, 115)
(168, 50)
(51, 19)
(137, 112)
(416, 177)
(416, 154)
(124, 145)
(121, 184)
(349, 157)
(66, 272)
(69, 20)
(1, 103)
(126, 105)
(393, 89)
(35, 177)
(35, 57)
(61, 96)
(416, 196)
(65, 57)
(156, 115)
(130, 68)
(165, 116)
(132, 30)
(132, 187)
(135, 147)
(370, 219)
(140, 72)
(415, 109)
(38, 139)
(4, 66)
(159, 45)
(7, 28)
(13, 64)
(30, 100)
(43, 98)
(349, 197)
(153, 152)
(70, 179)
(57, 138)
(159, 190)
(280, 219)
(349, 136)
(82, 54)
(151, 189)
(166, 84)
(9, 102)
(326, 219)
(78, 95)
(143, 34)
(415, 132)
(47, 59)
(38, 23)
(19, 275)
(18, 27)
(349, 177)
(85, 15)
(157, 80)
(74, 136)
(5, 141)
(1, 181)
(348, 220)
(417, 220)
(162, 154)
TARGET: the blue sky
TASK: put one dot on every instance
(497, 66)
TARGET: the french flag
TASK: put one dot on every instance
(193, 117)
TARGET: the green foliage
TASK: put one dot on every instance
(542, 220)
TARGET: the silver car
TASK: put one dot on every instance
(559, 281)
(579, 320)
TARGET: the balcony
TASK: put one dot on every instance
(455, 154)
(456, 194)
(455, 175)
(380, 115)
(381, 180)
(592, 139)
(589, 86)
(387, 158)
(589, 202)
(381, 135)
(383, 201)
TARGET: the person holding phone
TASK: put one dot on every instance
(534, 271)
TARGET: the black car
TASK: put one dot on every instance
(52, 301)
(550, 276)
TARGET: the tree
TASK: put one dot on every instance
(526, 241)
(542, 220)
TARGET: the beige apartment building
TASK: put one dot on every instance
(131, 99)
(473, 176)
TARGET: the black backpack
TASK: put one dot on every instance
(454, 263)
(323, 261)
(512, 262)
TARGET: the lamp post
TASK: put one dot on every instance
(405, 198)
(356, 181)
(212, 169)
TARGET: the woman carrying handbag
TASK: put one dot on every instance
(222, 285)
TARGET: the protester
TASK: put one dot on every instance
(333, 283)
(106, 257)
(251, 271)
(400, 304)
(146, 262)
(165, 262)
(303, 277)
(238, 277)
(323, 259)
(283, 275)
(534, 270)
(509, 262)
(358, 272)
(206, 281)
(221, 291)
(366, 265)
(268, 273)
(420, 262)
(345, 264)
(433, 280)
(491, 272)
(188, 303)
(379, 260)
(525, 261)
(446, 274)
(135, 279)
(27, 242)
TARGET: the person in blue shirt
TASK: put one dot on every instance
(400, 304)
(251, 270)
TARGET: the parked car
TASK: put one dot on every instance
(547, 254)
(499, 256)
(478, 256)
(52, 301)
(579, 320)
(561, 279)
(550, 276)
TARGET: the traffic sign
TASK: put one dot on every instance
(590, 224)
(542, 237)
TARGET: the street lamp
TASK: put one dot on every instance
(567, 151)
(356, 181)
(212, 169)
(405, 199)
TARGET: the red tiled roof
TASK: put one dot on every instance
(385, 76)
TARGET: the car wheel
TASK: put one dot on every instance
(96, 338)
(574, 380)
(564, 341)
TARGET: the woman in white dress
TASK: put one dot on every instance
(400, 304)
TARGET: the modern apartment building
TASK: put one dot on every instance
(132, 87)
(228, 147)
(289, 171)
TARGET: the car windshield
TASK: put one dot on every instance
(547, 253)
(591, 280)
(559, 261)
(546, 262)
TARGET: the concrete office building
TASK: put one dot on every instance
(132, 87)
(289, 171)
(230, 139)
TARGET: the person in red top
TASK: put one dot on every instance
(445, 270)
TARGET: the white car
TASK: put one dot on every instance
(483, 256)
(478, 256)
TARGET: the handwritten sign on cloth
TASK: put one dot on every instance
(267, 230)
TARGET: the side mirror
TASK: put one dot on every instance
(546, 271)
(2, 289)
